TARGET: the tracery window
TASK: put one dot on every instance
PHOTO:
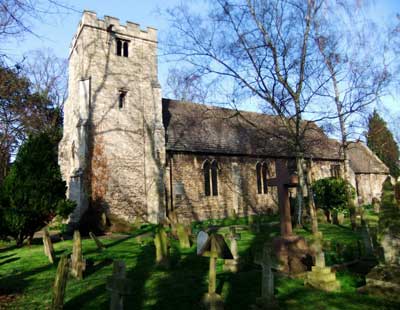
(210, 172)
(261, 174)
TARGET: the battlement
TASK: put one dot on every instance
(130, 29)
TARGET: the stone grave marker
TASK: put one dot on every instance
(202, 238)
(162, 247)
(78, 264)
(183, 235)
(321, 277)
(100, 246)
(215, 247)
(60, 284)
(264, 259)
(233, 264)
(118, 286)
(48, 246)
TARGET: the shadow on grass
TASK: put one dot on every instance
(139, 274)
(10, 260)
(89, 295)
(7, 256)
(9, 248)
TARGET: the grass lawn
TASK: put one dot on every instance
(26, 277)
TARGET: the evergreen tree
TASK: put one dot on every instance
(380, 140)
(33, 193)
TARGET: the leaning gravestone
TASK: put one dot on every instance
(162, 247)
(100, 246)
(118, 286)
(48, 246)
(78, 264)
(183, 235)
(60, 284)
(232, 264)
(214, 247)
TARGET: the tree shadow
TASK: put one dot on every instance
(139, 274)
(80, 300)
(10, 260)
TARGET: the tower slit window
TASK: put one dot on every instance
(122, 98)
(119, 47)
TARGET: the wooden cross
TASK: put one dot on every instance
(119, 286)
(267, 281)
(283, 181)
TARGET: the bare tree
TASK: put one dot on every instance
(48, 75)
(265, 48)
(356, 79)
(18, 16)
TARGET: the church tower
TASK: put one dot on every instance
(112, 153)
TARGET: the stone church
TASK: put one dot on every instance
(130, 153)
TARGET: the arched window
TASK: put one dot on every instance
(259, 181)
(264, 177)
(119, 47)
(210, 172)
(207, 183)
(214, 177)
(125, 49)
(262, 174)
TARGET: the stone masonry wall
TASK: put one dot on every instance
(242, 196)
(124, 154)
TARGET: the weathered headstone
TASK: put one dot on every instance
(202, 238)
(183, 235)
(215, 247)
(48, 246)
(100, 246)
(118, 286)
(162, 247)
(78, 264)
(60, 284)
(321, 277)
(264, 259)
(233, 264)
(367, 241)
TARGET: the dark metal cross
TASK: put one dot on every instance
(283, 181)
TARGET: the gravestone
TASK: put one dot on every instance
(202, 238)
(291, 250)
(232, 264)
(183, 233)
(118, 286)
(264, 259)
(78, 264)
(320, 276)
(60, 284)
(100, 246)
(214, 247)
(162, 247)
(376, 205)
(48, 246)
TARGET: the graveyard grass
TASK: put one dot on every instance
(26, 277)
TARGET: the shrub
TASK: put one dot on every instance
(331, 194)
(33, 193)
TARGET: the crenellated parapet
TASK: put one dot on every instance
(109, 23)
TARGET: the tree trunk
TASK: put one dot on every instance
(328, 216)
(300, 194)
(335, 219)
(311, 203)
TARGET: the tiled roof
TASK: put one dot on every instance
(192, 127)
(363, 160)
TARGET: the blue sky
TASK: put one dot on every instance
(56, 32)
